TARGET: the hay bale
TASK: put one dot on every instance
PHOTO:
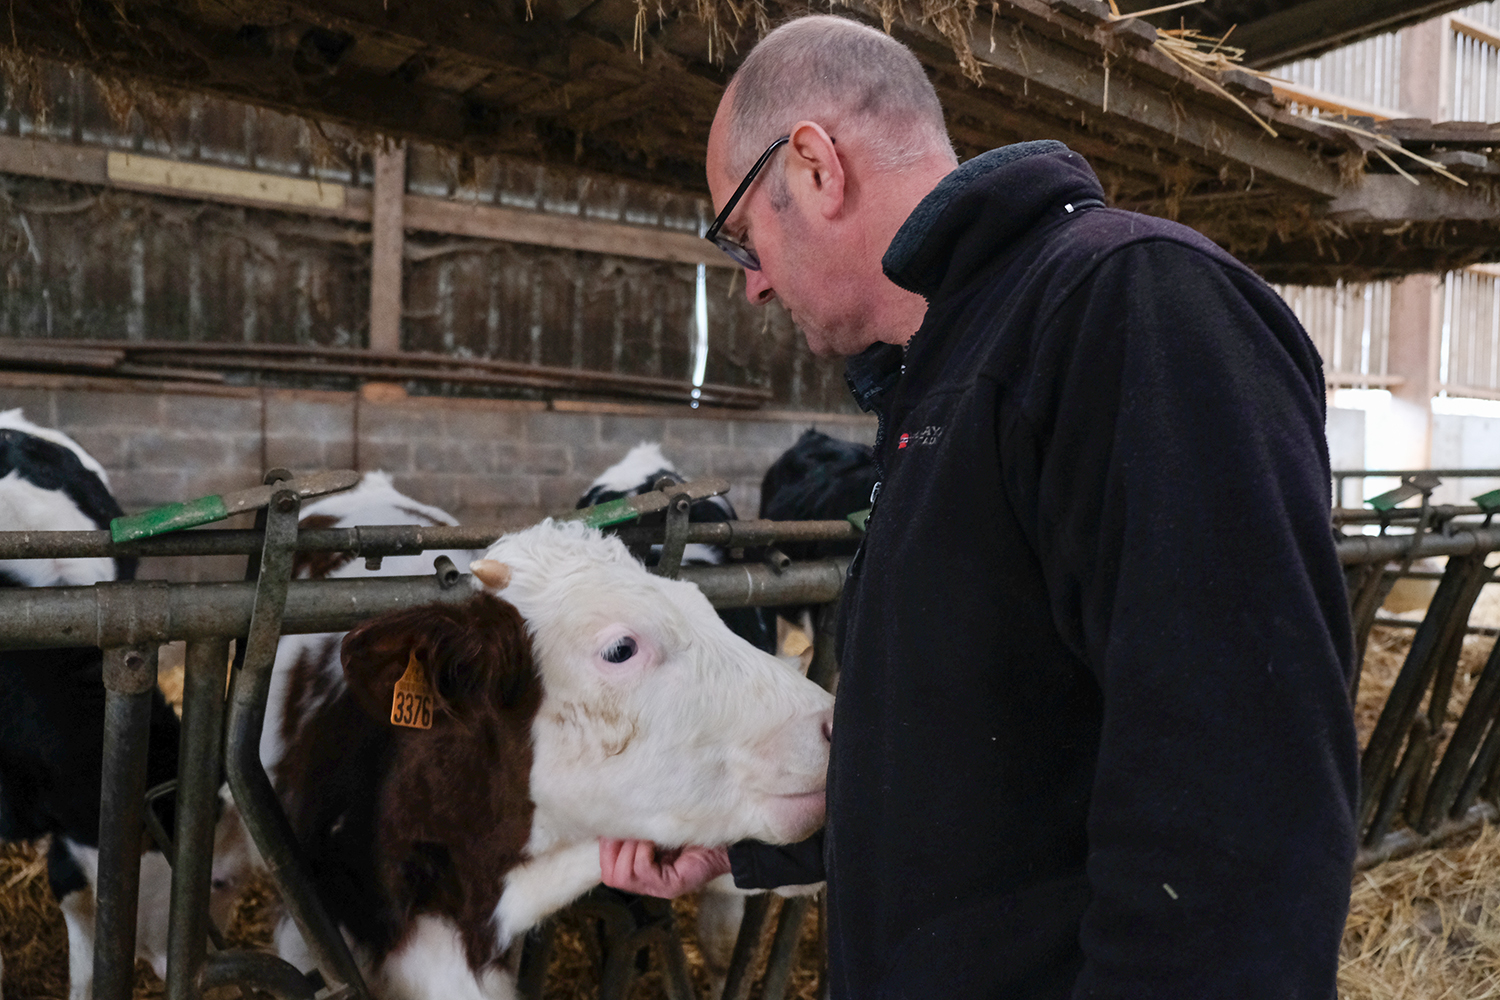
(33, 938)
(1426, 926)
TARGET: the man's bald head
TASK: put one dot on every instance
(861, 85)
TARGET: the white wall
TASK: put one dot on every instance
(1346, 438)
(1465, 441)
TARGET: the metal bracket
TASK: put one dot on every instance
(1421, 483)
(264, 818)
(131, 614)
(669, 565)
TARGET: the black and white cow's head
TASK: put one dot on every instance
(49, 483)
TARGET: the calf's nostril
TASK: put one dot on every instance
(828, 727)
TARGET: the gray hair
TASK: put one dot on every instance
(847, 77)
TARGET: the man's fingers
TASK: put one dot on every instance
(644, 866)
(617, 862)
(639, 866)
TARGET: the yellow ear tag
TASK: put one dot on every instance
(412, 704)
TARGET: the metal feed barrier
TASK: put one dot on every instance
(1403, 777)
(128, 621)
(1402, 774)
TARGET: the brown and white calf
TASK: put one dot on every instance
(573, 696)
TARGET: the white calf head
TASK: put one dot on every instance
(656, 721)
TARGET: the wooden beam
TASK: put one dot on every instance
(1313, 27)
(152, 175)
(131, 170)
(1479, 32)
(567, 232)
(1070, 83)
(1394, 199)
(1307, 96)
(1472, 391)
(387, 235)
(53, 160)
(1347, 379)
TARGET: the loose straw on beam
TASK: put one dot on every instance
(1392, 144)
(1166, 49)
(1177, 47)
(1161, 10)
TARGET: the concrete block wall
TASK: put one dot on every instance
(488, 462)
(1465, 441)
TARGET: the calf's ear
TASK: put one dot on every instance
(476, 656)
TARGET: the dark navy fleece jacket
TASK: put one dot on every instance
(1092, 736)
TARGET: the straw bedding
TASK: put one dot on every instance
(1426, 927)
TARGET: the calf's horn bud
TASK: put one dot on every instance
(491, 572)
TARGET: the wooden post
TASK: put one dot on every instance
(1426, 64)
(1417, 300)
(1416, 336)
(387, 232)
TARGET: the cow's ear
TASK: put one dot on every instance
(475, 655)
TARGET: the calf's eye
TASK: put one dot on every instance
(621, 650)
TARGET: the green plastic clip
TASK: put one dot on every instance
(605, 514)
(169, 517)
(1489, 502)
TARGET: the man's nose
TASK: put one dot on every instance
(757, 289)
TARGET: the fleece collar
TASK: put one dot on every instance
(982, 207)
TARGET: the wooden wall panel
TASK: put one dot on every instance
(101, 263)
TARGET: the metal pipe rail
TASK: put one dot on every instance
(1406, 516)
(1341, 474)
(376, 541)
(1359, 549)
(158, 612)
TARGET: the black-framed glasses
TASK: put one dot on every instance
(741, 255)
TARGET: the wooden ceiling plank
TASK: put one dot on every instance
(1023, 124)
(1388, 198)
(1030, 66)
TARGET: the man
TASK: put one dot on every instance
(1092, 736)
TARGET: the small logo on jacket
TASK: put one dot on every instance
(927, 435)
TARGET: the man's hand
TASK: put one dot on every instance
(638, 866)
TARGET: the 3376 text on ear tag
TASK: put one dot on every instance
(411, 706)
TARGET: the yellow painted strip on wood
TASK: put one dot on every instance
(1308, 97)
(1471, 391)
(206, 181)
(1355, 378)
(1479, 32)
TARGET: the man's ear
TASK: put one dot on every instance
(814, 171)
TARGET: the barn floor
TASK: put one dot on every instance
(33, 942)
(1420, 928)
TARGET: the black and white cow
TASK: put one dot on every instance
(52, 701)
(820, 478)
(638, 472)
